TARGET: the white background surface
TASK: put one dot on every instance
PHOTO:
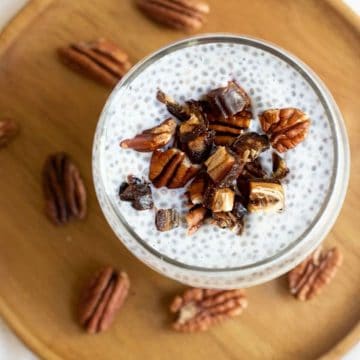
(10, 346)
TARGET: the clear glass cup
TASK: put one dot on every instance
(319, 167)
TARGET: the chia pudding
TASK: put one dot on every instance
(272, 80)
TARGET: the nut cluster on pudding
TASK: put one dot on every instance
(208, 145)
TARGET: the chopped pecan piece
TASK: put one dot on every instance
(253, 170)
(181, 112)
(171, 168)
(228, 111)
(64, 190)
(188, 15)
(309, 278)
(250, 145)
(286, 127)
(152, 139)
(280, 170)
(102, 299)
(8, 130)
(195, 191)
(195, 218)
(137, 192)
(219, 199)
(167, 219)
(101, 60)
(223, 167)
(263, 195)
(199, 309)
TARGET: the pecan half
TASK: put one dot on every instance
(152, 139)
(280, 170)
(101, 60)
(286, 127)
(171, 168)
(9, 128)
(195, 218)
(64, 190)
(199, 309)
(167, 219)
(185, 15)
(102, 298)
(309, 278)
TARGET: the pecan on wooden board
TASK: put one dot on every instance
(8, 130)
(188, 15)
(199, 309)
(286, 127)
(309, 278)
(64, 189)
(102, 298)
(101, 60)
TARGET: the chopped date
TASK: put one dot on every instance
(229, 101)
(167, 219)
(280, 169)
(250, 145)
(137, 192)
(227, 220)
(253, 170)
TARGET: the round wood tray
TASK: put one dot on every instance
(42, 268)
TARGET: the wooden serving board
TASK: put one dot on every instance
(42, 268)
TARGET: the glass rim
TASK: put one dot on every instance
(337, 187)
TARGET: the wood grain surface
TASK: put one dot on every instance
(42, 268)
